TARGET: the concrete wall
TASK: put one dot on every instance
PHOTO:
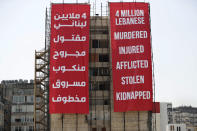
(156, 125)
(164, 115)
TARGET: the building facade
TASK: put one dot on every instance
(176, 127)
(186, 115)
(161, 116)
(166, 114)
(20, 100)
(101, 115)
(1, 116)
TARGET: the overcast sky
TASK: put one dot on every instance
(174, 40)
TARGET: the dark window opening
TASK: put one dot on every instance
(17, 120)
(103, 129)
(106, 102)
(104, 85)
(103, 58)
(95, 44)
(93, 129)
(94, 71)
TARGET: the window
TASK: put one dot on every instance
(99, 102)
(29, 91)
(94, 71)
(106, 102)
(94, 86)
(100, 44)
(30, 108)
(18, 109)
(99, 71)
(103, 58)
(30, 99)
(38, 99)
(31, 128)
(171, 128)
(93, 129)
(104, 85)
(19, 128)
(17, 120)
(100, 85)
(29, 119)
(18, 99)
(95, 44)
(103, 129)
(103, 44)
(103, 71)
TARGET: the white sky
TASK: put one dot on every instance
(174, 40)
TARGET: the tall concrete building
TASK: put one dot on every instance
(102, 116)
(20, 99)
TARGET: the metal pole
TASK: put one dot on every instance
(138, 113)
(124, 119)
(76, 122)
(62, 122)
(35, 95)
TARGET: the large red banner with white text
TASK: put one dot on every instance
(131, 56)
(69, 58)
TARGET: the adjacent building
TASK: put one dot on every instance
(1, 116)
(162, 116)
(185, 115)
(20, 104)
(176, 127)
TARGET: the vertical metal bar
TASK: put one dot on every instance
(103, 90)
(109, 50)
(95, 98)
(138, 118)
(47, 50)
(155, 122)
(62, 122)
(76, 122)
(90, 89)
(35, 119)
(124, 120)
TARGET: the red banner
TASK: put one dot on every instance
(131, 56)
(69, 58)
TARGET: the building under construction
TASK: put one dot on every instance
(102, 116)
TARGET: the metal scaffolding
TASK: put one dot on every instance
(41, 83)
